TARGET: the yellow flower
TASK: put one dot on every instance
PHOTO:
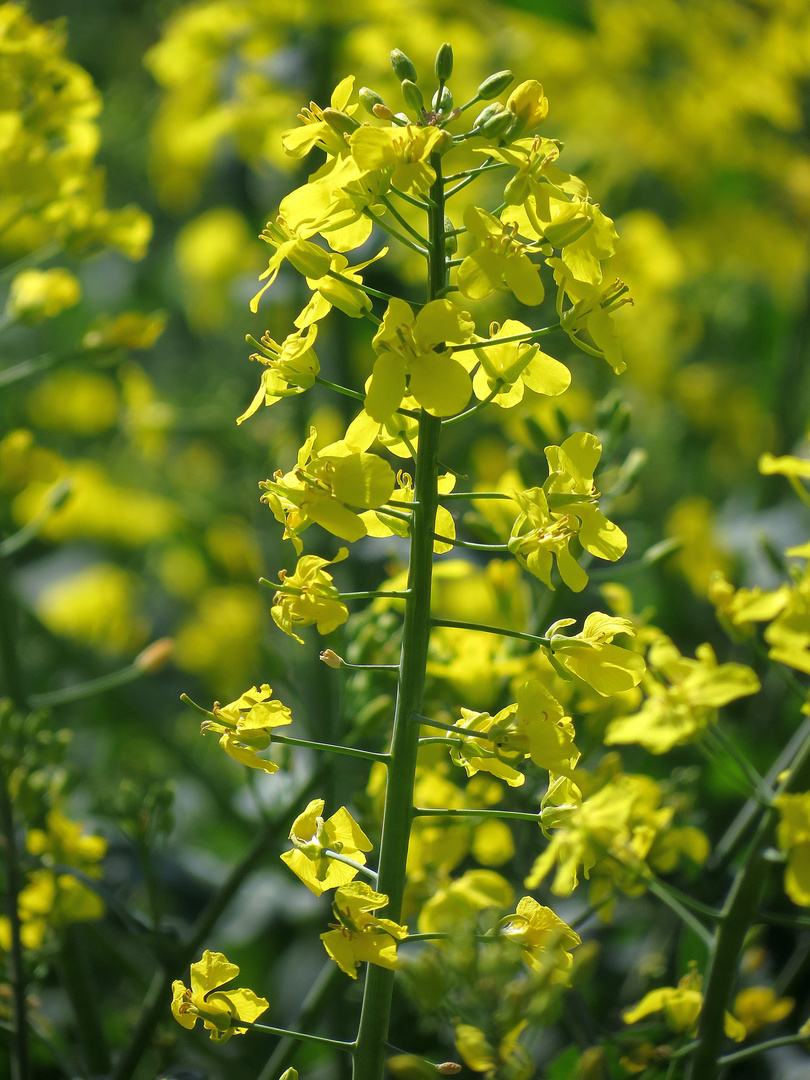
(509, 1059)
(360, 937)
(309, 596)
(535, 726)
(289, 368)
(757, 1006)
(500, 260)
(306, 257)
(543, 937)
(592, 656)
(315, 130)
(506, 369)
(417, 353)
(42, 294)
(529, 105)
(793, 837)
(564, 508)
(683, 697)
(246, 726)
(315, 840)
(216, 1008)
(324, 485)
(402, 150)
(681, 1007)
(454, 904)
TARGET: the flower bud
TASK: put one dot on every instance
(442, 100)
(331, 659)
(382, 111)
(412, 95)
(498, 125)
(450, 238)
(340, 121)
(443, 67)
(487, 114)
(494, 85)
(369, 98)
(448, 1068)
(155, 656)
(403, 68)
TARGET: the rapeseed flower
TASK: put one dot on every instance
(315, 840)
(204, 1000)
(247, 724)
(309, 596)
(359, 936)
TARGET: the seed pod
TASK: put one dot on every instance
(412, 95)
(403, 68)
(369, 98)
(443, 66)
(494, 85)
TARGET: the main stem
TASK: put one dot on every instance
(372, 1035)
(739, 914)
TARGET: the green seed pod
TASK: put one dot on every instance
(494, 85)
(498, 125)
(339, 121)
(403, 68)
(412, 95)
(443, 66)
(442, 102)
(369, 98)
(487, 114)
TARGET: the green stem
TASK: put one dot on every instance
(509, 337)
(468, 544)
(479, 405)
(396, 235)
(418, 203)
(372, 1033)
(666, 896)
(84, 997)
(503, 632)
(760, 1048)
(373, 594)
(472, 495)
(329, 748)
(392, 210)
(82, 690)
(340, 389)
(360, 286)
(739, 912)
(300, 1036)
(361, 868)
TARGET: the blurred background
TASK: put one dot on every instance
(689, 120)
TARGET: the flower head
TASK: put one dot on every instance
(246, 726)
(316, 841)
(216, 1008)
(359, 936)
(543, 937)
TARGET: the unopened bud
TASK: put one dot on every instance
(450, 238)
(382, 111)
(403, 68)
(155, 656)
(487, 114)
(331, 659)
(340, 121)
(494, 85)
(412, 95)
(369, 98)
(498, 125)
(443, 67)
(442, 100)
(448, 1068)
